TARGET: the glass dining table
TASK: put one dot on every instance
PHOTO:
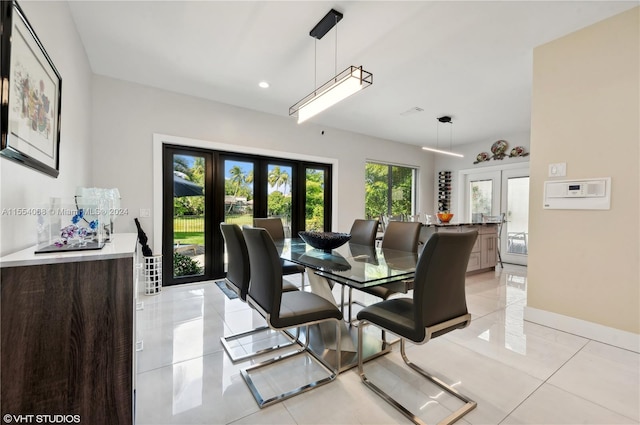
(355, 266)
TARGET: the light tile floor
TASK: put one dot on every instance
(517, 371)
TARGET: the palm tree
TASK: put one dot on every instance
(278, 177)
(237, 177)
(283, 180)
(274, 176)
(197, 170)
(249, 178)
(181, 166)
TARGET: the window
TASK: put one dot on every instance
(390, 190)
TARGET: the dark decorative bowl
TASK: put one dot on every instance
(325, 240)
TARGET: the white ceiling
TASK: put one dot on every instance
(470, 60)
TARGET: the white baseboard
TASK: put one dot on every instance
(594, 331)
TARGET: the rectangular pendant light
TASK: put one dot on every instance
(443, 152)
(351, 80)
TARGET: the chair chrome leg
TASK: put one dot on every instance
(351, 302)
(333, 373)
(469, 404)
(225, 340)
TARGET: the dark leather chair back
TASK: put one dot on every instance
(238, 271)
(266, 270)
(273, 225)
(438, 306)
(402, 235)
(363, 232)
(439, 283)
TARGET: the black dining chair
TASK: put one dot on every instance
(398, 236)
(237, 279)
(363, 232)
(438, 306)
(284, 310)
(274, 226)
(402, 236)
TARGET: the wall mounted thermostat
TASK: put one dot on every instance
(585, 194)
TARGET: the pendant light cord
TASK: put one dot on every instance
(450, 135)
(335, 66)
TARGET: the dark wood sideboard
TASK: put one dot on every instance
(67, 323)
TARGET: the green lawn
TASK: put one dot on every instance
(240, 220)
(196, 235)
(189, 238)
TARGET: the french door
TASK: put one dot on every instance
(498, 191)
(202, 188)
(515, 232)
(482, 195)
(188, 243)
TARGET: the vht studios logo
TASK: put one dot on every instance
(40, 419)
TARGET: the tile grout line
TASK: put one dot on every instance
(546, 380)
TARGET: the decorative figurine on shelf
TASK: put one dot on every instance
(499, 150)
(518, 151)
(482, 157)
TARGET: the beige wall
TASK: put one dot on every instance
(586, 95)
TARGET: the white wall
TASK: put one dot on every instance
(470, 151)
(584, 264)
(126, 116)
(22, 187)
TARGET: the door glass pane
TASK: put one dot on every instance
(238, 192)
(238, 195)
(314, 200)
(188, 215)
(279, 183)
(480, 192)
(517, 225)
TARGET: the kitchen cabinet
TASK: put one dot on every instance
(488, 251)
(484, 253)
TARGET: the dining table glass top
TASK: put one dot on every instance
(351, 264)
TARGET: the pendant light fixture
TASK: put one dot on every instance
(447, 120)
(351, 80)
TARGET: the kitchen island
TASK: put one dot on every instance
(484, 254)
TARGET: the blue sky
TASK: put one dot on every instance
(246, 167)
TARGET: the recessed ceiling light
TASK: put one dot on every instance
(263, 84)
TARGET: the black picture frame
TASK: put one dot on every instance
(30, 95)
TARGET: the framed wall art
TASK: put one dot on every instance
(30, 96)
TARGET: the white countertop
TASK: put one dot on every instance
(122, 245)
(453, 224)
